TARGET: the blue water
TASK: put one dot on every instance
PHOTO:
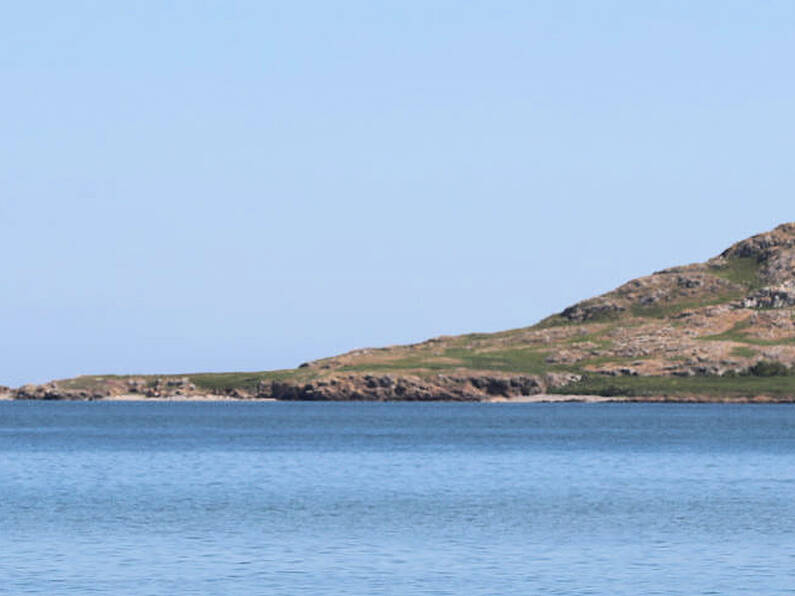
(459, 499)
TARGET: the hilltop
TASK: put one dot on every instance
(723, 329)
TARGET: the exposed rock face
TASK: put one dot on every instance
(359, 387)
(161, 387)
(389, 387)
(51, 391)
(762, 246)
(774, 251)
(591, 310)
(93, 388)
(705, 319)
(771, 297)
(660, 290)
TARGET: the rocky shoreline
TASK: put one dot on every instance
(534, 399)
(492, 390)
(346, 387)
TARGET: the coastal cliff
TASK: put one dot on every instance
(723, 329)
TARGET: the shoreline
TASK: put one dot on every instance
(541, 398)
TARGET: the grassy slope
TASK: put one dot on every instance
(740, 270)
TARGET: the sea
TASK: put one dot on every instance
(230, 498)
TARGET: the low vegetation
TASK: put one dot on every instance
(741, 270)
(225, 382)
(715, 386)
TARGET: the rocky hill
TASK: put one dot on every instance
(724, 329)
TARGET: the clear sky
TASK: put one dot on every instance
(197, 186)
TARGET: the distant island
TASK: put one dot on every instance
(723, 330)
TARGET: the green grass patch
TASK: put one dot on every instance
(557, 320)
(91, 382)
(662, 311)
(403, 364)
(740, 270)
(744, 352)
(713, 386)
(523, 360)
(602, 360)
(599, 338)
(243, 380)
(518, 360)
(738, 334)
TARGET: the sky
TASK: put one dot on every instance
(229, 186)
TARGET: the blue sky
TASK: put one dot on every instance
(191, 186)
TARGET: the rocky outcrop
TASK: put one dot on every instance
(51, 391)
(773, 251)
(161, 387)
(665, 289)
(95, 388)
(345, 387)
(389, 387)
(763, 246)
(592, 310)
(771, 297)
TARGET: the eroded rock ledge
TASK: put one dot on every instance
(343, 387)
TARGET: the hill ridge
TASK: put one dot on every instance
(721, 329)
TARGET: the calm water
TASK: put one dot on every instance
(463, 499)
